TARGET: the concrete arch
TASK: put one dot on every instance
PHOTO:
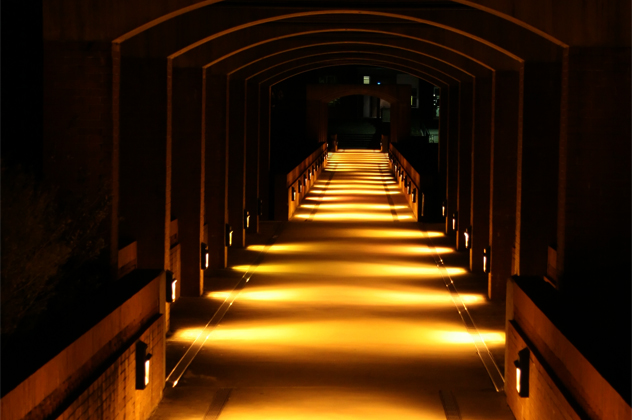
(473, 27)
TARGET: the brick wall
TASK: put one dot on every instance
(113, 395)
(563, 384)
(93, 375)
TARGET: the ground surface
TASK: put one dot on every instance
(345, 315)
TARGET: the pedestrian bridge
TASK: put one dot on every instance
(349, 310)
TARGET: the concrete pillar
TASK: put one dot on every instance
(451, 112)
(252, 154)
(187, 172)
(237, 160)
(466, 132)
(144, 160)
(443, 142)
(536, 206)
(216, 167)
(502, 227)
(481, 151)
(593, 232)
(264, 151)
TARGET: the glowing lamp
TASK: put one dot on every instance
(246, 219)
(143, 364)
(444, 207)
(454, 220)
(468, 237)
(171, 284)
(229, 235)
(415, 195)
(522, 373)
(408, 188)
(309, 175)
(204, 256)
(260, 207)
(300, 187)
(293, 194)
(487, 259)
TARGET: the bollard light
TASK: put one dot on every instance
(143, 358)
(293, 194)
(522, 373)
(204, 256)
(487, 259)
(229, 235)
(246, 219)
(468, 237)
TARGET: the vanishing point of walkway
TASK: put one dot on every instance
(347, 312)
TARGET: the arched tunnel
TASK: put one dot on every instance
(498, 141)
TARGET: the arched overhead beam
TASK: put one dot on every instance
(608, 21)
(194, 29)
(316, 45)
(252, 71)
(454, 48)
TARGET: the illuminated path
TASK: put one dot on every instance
(346, 317)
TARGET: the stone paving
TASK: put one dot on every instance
(341, 313)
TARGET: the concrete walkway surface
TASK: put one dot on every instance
(348, 311)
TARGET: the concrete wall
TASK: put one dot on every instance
(92, 375)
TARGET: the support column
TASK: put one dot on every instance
(187, 171)
(216, 167)
(466, 133)
(252, 154)
(536, 207)
(481, 150)
(452, 112)
(502, 227)
(593, 229)
(264, 151)
(443, 143)
(237, 160)
(145, 160)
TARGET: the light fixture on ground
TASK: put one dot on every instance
(246, 219)
(487, 259)
(522, 373)
(143, 358)
(229, 235)
(204, 256)
(468, 237)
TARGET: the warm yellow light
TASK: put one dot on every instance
(352, 216)
(518, 375)
(146, 372)
(173, 290)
